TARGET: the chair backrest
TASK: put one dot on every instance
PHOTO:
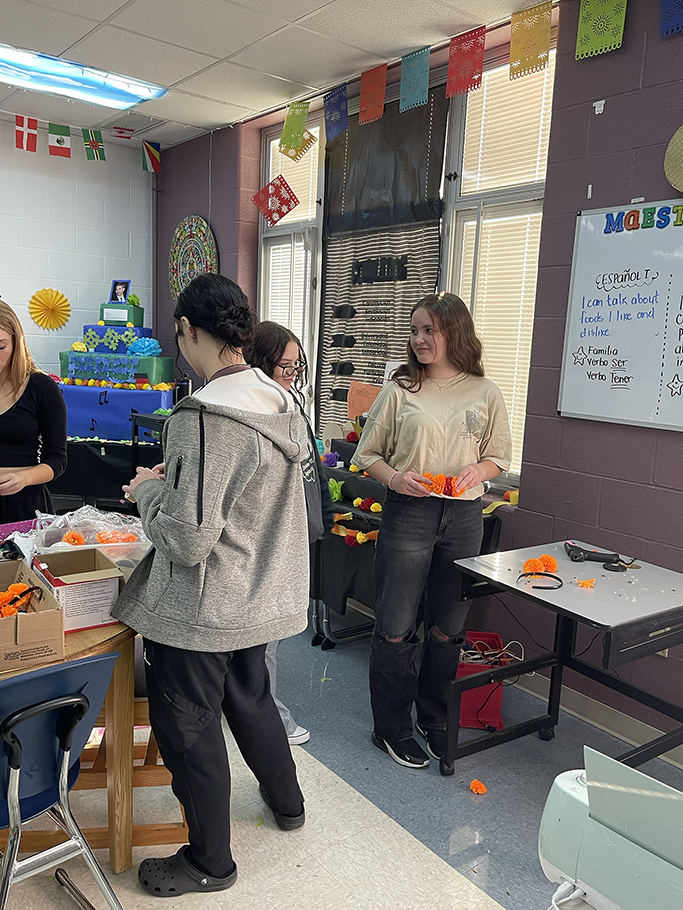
(40, 762)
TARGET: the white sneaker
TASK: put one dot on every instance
(299, 736)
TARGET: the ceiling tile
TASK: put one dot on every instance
(55, 109)
(231, 27)
(171, 134)
(137, 56)
(92, 9)
(291, 11)
(244, 87)
(304, 56)
(391, 28)
(184, 108)
(38, 28)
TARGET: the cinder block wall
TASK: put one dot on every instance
(73, 225)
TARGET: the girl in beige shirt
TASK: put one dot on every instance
(438, 415)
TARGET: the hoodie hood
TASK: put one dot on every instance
(287, 430)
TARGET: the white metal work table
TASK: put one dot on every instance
(640, 611)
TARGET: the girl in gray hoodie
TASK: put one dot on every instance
(227, 574)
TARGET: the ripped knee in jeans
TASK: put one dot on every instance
(408, 637)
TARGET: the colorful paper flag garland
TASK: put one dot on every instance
(336, 104)
(530, 40)
(296, 154)
(466, 62)
(601, 27)
(373, 86)
(59, 141)
(670, 17)
(25, 133)
(414, 79)
(275, 200)
(295, 124)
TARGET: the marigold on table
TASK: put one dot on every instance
(534, 565)
(549, 562)
(585, 582)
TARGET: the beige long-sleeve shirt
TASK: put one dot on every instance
(440, 429)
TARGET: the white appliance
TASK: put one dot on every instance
(615, 833)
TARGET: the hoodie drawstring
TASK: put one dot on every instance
(200, 491)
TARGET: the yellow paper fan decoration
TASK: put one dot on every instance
(49, 308)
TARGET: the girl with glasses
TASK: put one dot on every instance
(278, 352)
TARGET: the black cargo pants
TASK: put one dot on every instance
(188, 691)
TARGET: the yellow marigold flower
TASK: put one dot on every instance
(357, 501)
(361, 538)
(354, 468)
(130, 325)
(101, 322)
(375, 507)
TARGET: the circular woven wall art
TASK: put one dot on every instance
(193, 252)
(673, 160)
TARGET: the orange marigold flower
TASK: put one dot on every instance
(585, 582)
(549, 562)
(74, 538)
(477, 787)
(104, 536)
(430, 479)
(8, 611)
(534, 565)
(439, 483)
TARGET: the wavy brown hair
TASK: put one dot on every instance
(266, 350)
(21, 363)
(463, 348)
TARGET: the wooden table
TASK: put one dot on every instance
(118, 835)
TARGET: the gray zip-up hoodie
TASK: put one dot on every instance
(229, 568)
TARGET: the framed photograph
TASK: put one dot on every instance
(119, 290)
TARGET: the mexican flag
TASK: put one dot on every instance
(60, 140)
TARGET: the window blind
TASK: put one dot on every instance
(506, 130)
(287, 282)
(504, 295)
(301, 175)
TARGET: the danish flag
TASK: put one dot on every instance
(26, 133)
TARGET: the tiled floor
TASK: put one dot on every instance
(377, 835)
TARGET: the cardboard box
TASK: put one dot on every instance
(84, 582)
(35, 637)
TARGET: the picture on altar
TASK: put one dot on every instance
(119, 290)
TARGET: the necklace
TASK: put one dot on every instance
(441, 384)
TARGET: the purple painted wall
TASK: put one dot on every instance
(619, 487)
(213, 176)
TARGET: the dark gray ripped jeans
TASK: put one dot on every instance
(419, 539)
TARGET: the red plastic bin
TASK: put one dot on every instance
(475, 711)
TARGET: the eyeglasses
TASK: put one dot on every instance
(288, 370)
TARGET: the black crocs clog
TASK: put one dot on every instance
(171, 876)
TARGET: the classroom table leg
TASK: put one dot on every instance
(119, 725)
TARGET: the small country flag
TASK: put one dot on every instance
(121, 132)
(151, 156)
(26, 133)
(60, 140)
(94, 147)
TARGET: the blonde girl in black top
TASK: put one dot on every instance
(32, 426)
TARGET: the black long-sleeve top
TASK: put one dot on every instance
(33, 430)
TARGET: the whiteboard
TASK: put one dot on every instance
(623, 343)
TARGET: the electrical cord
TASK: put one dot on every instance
(519, 622)
(567, 891)
(590, 644)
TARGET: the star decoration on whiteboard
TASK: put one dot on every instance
(676, 385)
(579, 356)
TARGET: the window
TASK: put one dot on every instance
(290, 250)
(493, 223)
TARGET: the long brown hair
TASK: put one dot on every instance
(266, 350)
(463, 348)
(21, 363)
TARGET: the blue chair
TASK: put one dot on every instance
(45, 720)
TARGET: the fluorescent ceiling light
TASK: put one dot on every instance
(40, 73)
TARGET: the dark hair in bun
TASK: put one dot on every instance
(217, 305)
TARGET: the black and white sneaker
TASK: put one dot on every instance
(407, 752)
(436, 740)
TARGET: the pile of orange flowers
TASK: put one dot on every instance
(116, 537)
(585, 582)
(77, 540)
(442, 485)
(544, 563)
(14, 591)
